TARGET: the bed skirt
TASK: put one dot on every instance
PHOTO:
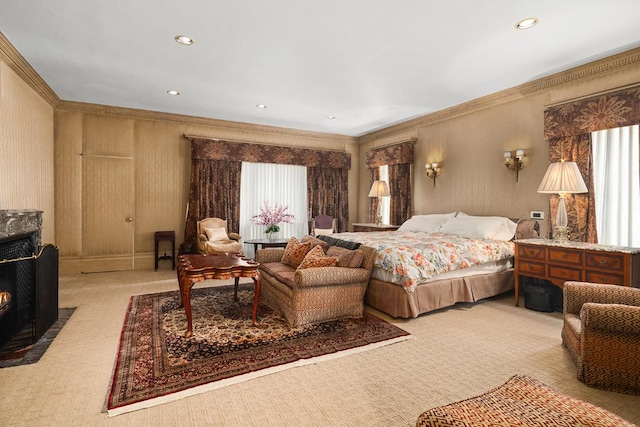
(396, 302)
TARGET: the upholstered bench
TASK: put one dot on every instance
(521, 401)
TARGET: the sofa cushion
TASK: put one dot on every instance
(346, 257)
(295, 252)
(316, 258)
(282, 272)
(315, 241)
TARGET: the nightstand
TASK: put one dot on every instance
(559, 262)
(358, 227)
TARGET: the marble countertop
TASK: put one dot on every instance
(581, 245)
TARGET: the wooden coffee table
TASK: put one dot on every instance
(196, 268)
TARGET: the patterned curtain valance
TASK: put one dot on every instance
(611, 110)
(215, 149)
(391, 155)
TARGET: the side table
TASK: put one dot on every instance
(559, 262)
(368, 227)
(266, 243)
(169, 236)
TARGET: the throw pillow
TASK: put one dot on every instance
(316, 258)
(315, 241)
(295, 252)
(214, 234)
(346, 257)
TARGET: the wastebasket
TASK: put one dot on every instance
(542, 296)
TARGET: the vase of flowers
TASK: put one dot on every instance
(271, 217)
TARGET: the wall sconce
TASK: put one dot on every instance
(513, 161)
(432, 170)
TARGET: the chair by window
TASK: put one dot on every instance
(323, 224)
(213, 237)
(601, 330)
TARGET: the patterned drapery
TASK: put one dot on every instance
(328, 194)
(581, 209)
(216, 167)
(568, 129)
(400, 183)
(399, 157)
(216, 149)
(612, 110)
(373, 201)
(214, 192)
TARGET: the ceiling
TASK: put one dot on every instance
(369, 63)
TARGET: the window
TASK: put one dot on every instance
(616, 179)
(273, 183)
(385, 208)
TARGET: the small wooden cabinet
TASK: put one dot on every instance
(559, 262)
(358, 227)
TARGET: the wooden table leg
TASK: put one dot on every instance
(517, 288)
(185, 296)
(236, 281)
(256, 298)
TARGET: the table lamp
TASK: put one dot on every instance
(562, 178)
(379, 189)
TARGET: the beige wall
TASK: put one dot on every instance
(26, 149)
(161, 158)
(470, 140)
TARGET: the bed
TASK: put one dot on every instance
(436, 261)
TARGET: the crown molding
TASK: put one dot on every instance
(609, 65)
(13, 58)
(132, 113)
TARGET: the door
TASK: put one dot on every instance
(108, 213)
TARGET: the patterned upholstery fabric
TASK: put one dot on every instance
(601, 330)
(346, 257)
(521, 401)
(229, 244)
(316, 258)
(295, 252)
(315, 294)
(315, 241)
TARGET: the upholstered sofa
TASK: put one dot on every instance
(315, 294)
(601, 330)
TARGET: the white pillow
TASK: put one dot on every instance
(449, 215)
(480, 227)
(428, 223)
(214, 234)
(323, 231)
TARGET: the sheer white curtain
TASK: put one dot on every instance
(282, 184)
(616, 165)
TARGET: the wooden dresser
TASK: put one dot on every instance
(358, 227)
(559, 262)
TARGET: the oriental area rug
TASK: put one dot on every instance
(156, 364)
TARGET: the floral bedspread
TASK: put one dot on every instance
(414, 257)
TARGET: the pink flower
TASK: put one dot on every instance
(271, 217)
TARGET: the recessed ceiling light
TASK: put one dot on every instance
(173, 92)
(261, 106)
(525, 24)
(331, 117)
(185, 40)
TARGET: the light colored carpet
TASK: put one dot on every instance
(457, 353)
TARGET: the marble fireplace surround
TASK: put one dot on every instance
(20, 222)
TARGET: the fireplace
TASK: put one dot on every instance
(28, 275)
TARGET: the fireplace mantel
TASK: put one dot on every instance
(19, 222)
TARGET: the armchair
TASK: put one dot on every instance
(213, 237)
(601, 330)
(323, 224)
